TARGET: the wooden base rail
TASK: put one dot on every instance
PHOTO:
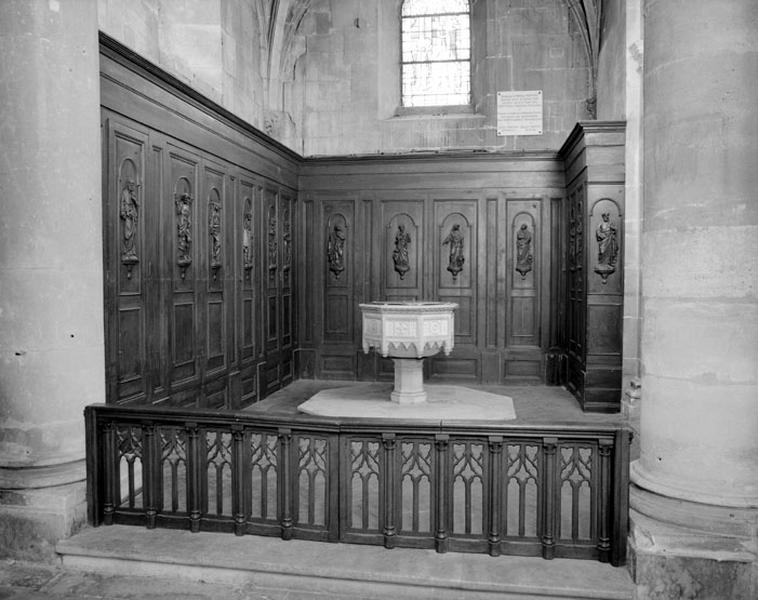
(532, 491)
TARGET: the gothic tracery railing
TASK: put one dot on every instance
(552, 491)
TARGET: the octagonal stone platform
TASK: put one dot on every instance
(444, 403)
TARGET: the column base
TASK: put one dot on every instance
(680, 549)
(33, 520)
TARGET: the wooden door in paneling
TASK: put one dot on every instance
(278, 307)
(182, 216)
(453, 260)
(399, 256)
(129, 258)
(214, 235)
(248, 226)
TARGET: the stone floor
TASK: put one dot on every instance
(534, 404)
(121, 562)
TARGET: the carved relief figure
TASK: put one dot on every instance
(129, 213)
(524, 256)
(184, 231)
(214, 233)
(400, 254)
(335, 251)
(456, 258)
(607, 247)
(247, 235)
(272, 243)
(286, 238)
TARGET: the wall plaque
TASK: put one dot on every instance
(519, 113)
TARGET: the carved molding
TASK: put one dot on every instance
(183, 203)
(214, 232)
(524, 256)
(400, 253)
(247, 235)
(456, 259)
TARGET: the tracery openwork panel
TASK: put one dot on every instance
(217, 498)
(364, 477)
(173, 469)
(264, 467)
(577, 493)
(416, 500)
(521, 495)
(130, 459)
(468, 487)
(313, 476)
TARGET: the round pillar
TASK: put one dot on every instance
(699, 348)
(51, 273)
(693, 505)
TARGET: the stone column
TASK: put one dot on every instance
(51, 273)
(696, 483)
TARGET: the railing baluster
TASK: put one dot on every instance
(285, 482)
(549, 492)
(442, 446)
(238, 477)
(604, 542)
(495, 472)
(150, 479)
(111, 472)
(388, 484)
(193, 476)
(620, 508)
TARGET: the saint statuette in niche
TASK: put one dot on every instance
(214, 235)
(247, 236)
(455, 258)
(524, 257)
(400, 254)
(606, 235)
(335, 251)
(129, 214)
(183, 232)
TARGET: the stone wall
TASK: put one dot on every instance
(611, 69)
(214, 46)
(352, 79)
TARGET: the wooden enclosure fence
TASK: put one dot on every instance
(522, 490)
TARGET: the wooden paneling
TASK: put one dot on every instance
(433, 228)
(199, 221)
(594, 158)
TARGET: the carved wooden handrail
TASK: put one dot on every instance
(551, 491)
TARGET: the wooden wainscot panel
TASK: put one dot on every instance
(402, 243)
(594, 158)
(338, 226)
(524, 263)
(455, 263)
(183, 220)
(127, 254)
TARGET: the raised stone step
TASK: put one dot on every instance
(336, 570)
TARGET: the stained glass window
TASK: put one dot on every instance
(436, 52)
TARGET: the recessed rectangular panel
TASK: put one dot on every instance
(455, 367)
(286, 316)
(604, 336)
(215, 329)
(522, 368)
(272, 318)
(184, 329)
(247, 324)
(522, 320)
(337, 314)
(130, 344)
(337, 366)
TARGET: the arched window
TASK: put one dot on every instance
(436, 52)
